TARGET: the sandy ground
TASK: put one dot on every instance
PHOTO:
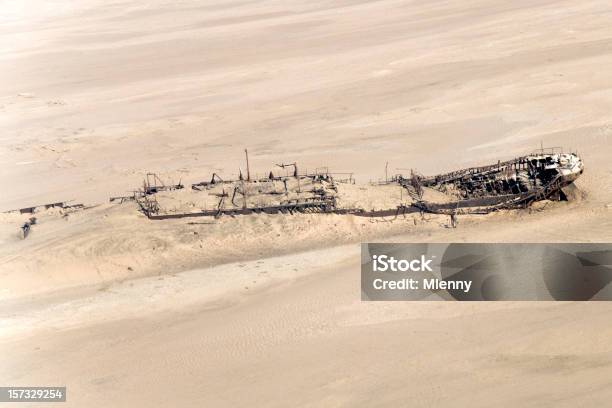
(265, 310)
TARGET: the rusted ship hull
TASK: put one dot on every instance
(510, 184)
(504, 185)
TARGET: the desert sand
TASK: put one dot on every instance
(266, 310)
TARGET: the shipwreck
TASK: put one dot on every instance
(547, 174)
(512, 184)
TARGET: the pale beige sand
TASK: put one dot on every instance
(95, 94)
(305, 340)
